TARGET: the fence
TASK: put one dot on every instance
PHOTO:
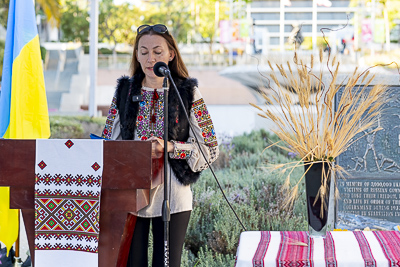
(194, 60)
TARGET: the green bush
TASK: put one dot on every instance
(104, 51)
(2, 47)
(253, 191)
(68, 127)
(86, 48)
(43, 52)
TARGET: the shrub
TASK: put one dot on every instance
(86, 48)
(74, 127)
(253, 191)
(43, 52)
(2, 47)
(104, 51)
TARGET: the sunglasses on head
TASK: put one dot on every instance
(160, 28)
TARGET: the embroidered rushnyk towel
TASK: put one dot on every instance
(67, 202)
(342, 249)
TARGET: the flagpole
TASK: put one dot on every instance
(17, 257)
(17, 245)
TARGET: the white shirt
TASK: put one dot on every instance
(181, 198)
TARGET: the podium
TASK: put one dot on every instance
(129, 172)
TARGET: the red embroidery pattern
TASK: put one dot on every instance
(205, 123)
(96, 166)
(59, 246)
(67, 236)
(68, 180)
(112, 112)
(42, 165)
(69, 143)
(150, 119)
(180, 153)
(66, 214)
(67, 193)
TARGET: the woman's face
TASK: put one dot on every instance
(153, 49)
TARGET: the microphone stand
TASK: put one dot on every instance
(166, 212)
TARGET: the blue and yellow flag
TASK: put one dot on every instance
(9, 224)
(23, 103)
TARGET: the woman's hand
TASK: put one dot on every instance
(159, 146)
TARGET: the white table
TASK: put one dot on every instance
(337, 248)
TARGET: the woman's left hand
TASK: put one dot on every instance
(160, 145)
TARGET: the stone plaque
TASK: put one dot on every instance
(370, 191)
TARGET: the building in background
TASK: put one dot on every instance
(276, 18)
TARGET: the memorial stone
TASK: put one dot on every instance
(370, 189)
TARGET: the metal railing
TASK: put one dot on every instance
(197, 61)
(214, 61)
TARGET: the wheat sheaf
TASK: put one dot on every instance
(308, 124)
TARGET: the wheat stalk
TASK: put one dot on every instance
(312, 129)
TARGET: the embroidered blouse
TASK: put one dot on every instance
(150, 122)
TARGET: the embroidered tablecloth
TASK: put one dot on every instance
(67, 202)
(337, 248)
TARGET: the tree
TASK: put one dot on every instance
(50, 8)
(176, 15)
(207, 10)
(4, 4)
(115, 23)
(74, 23)
(194, 19)
(390, 11)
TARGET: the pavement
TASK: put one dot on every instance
(215, 89)
(227, 100)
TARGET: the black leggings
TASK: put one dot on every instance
(177, 231)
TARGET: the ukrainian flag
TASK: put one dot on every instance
(23, 103)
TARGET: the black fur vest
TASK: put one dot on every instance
(178, 125)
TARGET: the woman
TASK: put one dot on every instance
(136, 113)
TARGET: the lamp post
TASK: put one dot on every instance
(373, 6)
(230, 32)
(314, 25)
(94, 28)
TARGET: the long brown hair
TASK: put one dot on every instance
(176, 65)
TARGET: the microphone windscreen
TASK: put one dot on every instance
(158, 67)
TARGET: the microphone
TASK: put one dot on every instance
(161, 69)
